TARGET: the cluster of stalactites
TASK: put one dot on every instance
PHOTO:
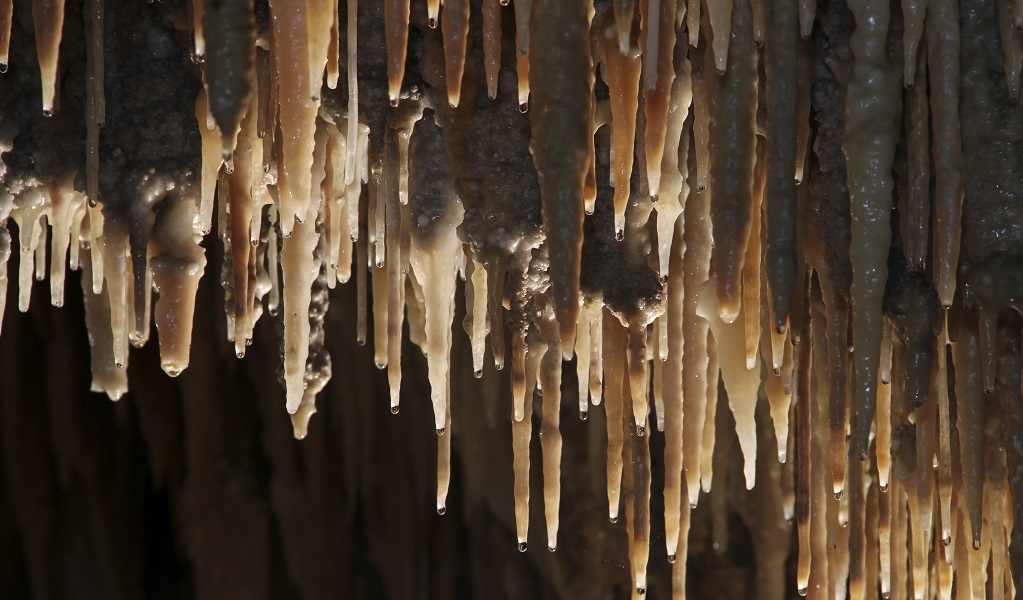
(746, 301)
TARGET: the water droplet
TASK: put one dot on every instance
(523, 107)
(394, 410)
(583, 415)
(441, 510)
(3, 67)
(884, 487)
(947, 541)
(976, 543)
(172, 371)
(671, 559)
(640, 430)
(478, 373)
(440, 431)
(692, 507)
(885, 595)
(240, 354)
(380, 365)
(839, 493)
(522, 546)
(801, 591)
(614, 519)
(118, 365)
(620, 234)
(394, 102)
(47, 112)
(552, 548)
(504, 2)
(432, 22)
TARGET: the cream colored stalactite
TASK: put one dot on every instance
(107, 377)
(48, 18)
(352, 156)
(673, 191)
(177, 260)
(240, 184)
(672, 387)
(871, 134)
(582, 363)
(523, 10)
(455, 29)
(297, 111)
(615, 341)
(334, 47)
(596, 376)
(624, 13)
(396, 17)
(31, 209)
(741, 383)
(297, 266)
(623, 74)
(117, 270)
(657, 43)
(396, 278)
(65, 205)
(212, 158)
(550, 433)
(695, 358)
(433, 260)
(476, 285)
(522, 431)
(752, 267)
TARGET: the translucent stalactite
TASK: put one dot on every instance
(752, 268)
(476, 313)
(351, 159)
(435, 254)
(492, 44)
(522, 430)
(550, 433)
(741, 383)
(709, 436)
(455, 28)
(48, 18)
(107, 377)
(396, 21)
(719, 14)
(297, 267)
(582, 362)
(672, 385)
(615, 341)
(695, 356)
(657, 43)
